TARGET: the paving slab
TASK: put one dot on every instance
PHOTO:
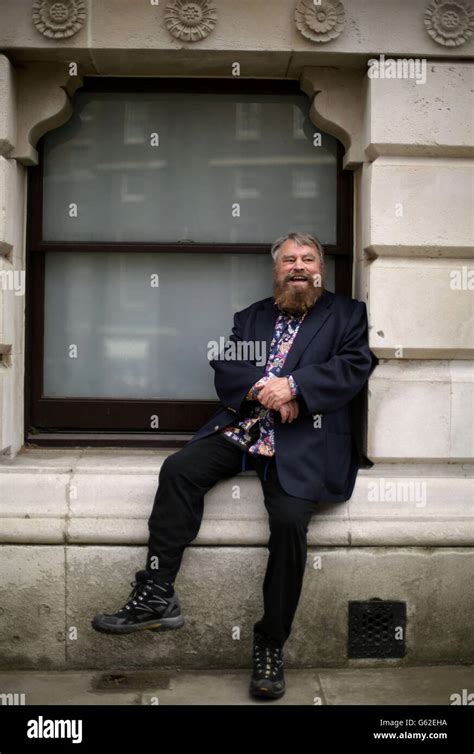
(433, 685)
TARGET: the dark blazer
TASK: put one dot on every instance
(331, 362)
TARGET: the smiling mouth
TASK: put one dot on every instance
(298, 280)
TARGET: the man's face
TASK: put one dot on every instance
(297, 278)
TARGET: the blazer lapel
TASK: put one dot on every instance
(265, 321)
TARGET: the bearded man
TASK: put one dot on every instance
(288, 419)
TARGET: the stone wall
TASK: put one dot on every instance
(410, 146)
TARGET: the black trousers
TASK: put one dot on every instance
(175, 520)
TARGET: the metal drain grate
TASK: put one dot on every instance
(377, 629)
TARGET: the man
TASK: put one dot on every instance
(290, 420)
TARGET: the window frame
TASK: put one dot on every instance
(59, 422)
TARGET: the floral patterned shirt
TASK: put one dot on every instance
(255, 433)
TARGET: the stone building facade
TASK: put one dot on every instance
(73, 517)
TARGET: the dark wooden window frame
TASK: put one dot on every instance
(116, 422)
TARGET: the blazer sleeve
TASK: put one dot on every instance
(234, 378)
(329, 386)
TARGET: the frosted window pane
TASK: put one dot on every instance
(137, 341)
(218, 155)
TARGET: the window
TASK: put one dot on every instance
(151, 215)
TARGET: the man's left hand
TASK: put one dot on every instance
(275, 393)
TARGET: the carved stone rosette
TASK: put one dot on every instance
(190, 21)
(450, 22)
(320, 22)
(58, 20)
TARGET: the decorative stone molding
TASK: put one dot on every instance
(190, 21)
(450, 22)
(320, 22)
(59, 20)
(43, 95)
(338, 99)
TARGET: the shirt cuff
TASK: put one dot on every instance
(252, 394)
(294, 387)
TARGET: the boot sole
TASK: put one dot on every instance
(264, 691)
(165, 624)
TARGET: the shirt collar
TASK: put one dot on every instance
(289, 316)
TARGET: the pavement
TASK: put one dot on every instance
(424, 685)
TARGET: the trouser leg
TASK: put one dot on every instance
(184, 479)
(289, 518)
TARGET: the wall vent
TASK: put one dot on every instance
(377, 628)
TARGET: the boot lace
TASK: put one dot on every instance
(139, 591)
(268, 657)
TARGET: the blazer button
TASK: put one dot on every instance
(216, 427)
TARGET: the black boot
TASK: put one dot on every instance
(151, 605)
(267, 680)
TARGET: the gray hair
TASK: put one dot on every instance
(302, 239)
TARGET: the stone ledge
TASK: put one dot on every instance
(105, 496)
